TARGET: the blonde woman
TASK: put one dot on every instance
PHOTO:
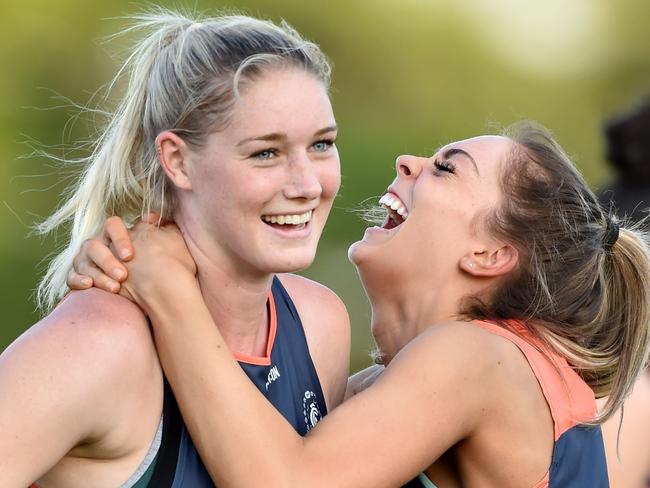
(226, 126)
(504, 300)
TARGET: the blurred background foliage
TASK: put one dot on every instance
(409, 75)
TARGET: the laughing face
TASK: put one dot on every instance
(434, 209)
(262, 188)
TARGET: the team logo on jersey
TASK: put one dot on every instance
(273, 375)
(310, 409)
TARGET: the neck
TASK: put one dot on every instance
(398, 320)
(401, 312)
(236, 297)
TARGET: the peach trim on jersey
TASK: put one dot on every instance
(273, 325)
(569, 398)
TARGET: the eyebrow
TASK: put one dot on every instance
(279, 136)
(455, 150)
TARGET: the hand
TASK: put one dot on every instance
(162, 267)
(99, 262)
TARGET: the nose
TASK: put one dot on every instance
(303, 180)
(410, 166)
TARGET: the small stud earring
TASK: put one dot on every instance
(470, 264)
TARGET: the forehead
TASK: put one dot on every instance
(282, 99)
(488, 151)
(484, 148)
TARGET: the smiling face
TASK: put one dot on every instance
(435, 208)
(261, 189)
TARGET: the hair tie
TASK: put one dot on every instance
(611, 234)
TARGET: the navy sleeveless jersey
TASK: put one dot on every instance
(286, 377)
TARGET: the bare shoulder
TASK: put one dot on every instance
(90, 365)
(459, 337)
(467, 351)
(96, 322)
(93, 339)
(310, 292)
(327, 328)
(322, 311)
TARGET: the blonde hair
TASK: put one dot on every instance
(582, 285)
(183, 76)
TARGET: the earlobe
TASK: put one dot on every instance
(490, 263)
(172, 156)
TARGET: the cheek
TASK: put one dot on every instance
(251, 189)
(329, 177)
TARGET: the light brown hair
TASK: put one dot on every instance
(582, 284)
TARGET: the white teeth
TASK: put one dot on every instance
(291, 219)
(393, 202)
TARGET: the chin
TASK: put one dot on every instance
(377, 271)
(359, 253)
(354, 252)
(293, 263)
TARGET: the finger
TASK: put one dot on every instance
(76, 281)
(100, 280)
(118, 235)
(96, 257)
(94, 275)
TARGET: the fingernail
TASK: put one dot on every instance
(117, 273)
(86, 282)
(124, 254)
(115, 288)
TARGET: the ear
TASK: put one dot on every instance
(490, 263)
(172, 155)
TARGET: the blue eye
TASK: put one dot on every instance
(323, 145)
(265, 154)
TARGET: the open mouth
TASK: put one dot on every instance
(397, 212)
(288, 221)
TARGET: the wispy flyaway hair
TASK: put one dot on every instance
(183, 75)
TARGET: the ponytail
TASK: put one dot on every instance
(122, 176)
(623, 324)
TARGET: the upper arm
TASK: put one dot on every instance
(327, 328)
(58, 385)
(423, 403)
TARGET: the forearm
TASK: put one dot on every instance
(244, 441)
(221, 407)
